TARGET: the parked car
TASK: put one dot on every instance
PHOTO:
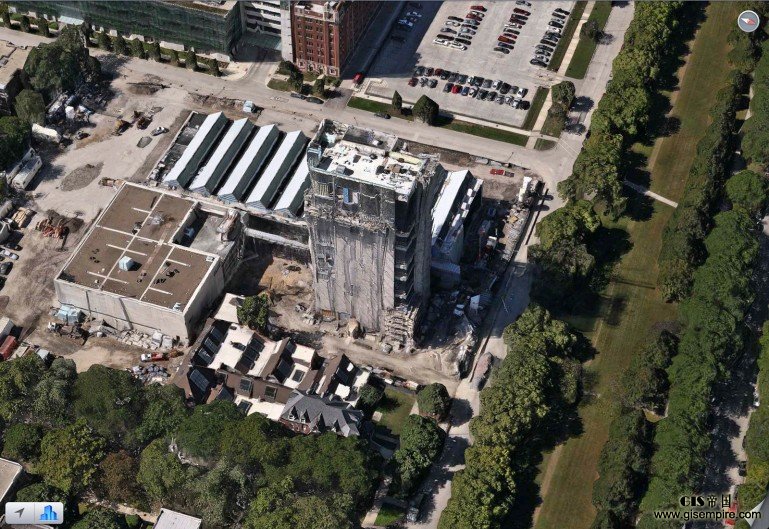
(473, 91)
(5, 268)
(462, 41)
(467, 31)
(447, 38)
(316, 100)
(158, 131)
(544, 48)
(462, 79)
(449, 30)
(452, 23)
(456, 89)
(523, 3)
(413, 81)
(455, 18)
(520, 11)
(453, 77)
(559, 15)
(502, 38)
(447, 87)
(482, 94)
(500, 49)
(429, 71)
(565, 12)
(423, 81)
(432, 83)
(458, 46)
(441, 42)
(521, 92)
(496, 84)
(473, 16)
(478, 8)
(555, 24)
(445, 74)
(487, 83)
(415, 508)
(465, 90)
(506, 45)
(478, 81)
(383, 115)
(504, 88)
(419, 71)
(537, 62)
(10, 255)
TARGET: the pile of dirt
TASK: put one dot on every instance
(81, 177)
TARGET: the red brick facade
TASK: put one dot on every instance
(325, 33)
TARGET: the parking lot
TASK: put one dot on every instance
(396, 63)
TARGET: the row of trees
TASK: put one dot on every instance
(562, 96)
(756, 128)
(682, 244)
(25, 22)
(624, 462)
(534, 388)
(421, 440)
(753, 490)
(714, 334)
(102, 432)
(623, 112)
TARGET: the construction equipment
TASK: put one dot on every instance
(121, 126)
(48, 228)
(143, 121)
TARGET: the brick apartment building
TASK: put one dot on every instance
(324, 34)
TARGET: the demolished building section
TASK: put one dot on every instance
(368, 209)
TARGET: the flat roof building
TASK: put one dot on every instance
(368, 210)
(12, 59)
(169, 519)
(9, 473)
(152, 261)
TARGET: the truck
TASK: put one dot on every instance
(9, 345)
(154, 357)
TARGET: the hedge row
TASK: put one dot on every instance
(714, 318)
(623, 112)
(624, 462)
(682, 251)
(536, 382)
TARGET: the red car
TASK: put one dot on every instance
(498, 171)
(438, 72)
(358, 78)
(478, 8)
(413, 81)
(456, 89)
(521, 11)
(502, 38)
(473, 16)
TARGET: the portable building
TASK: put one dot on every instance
(293, 195)
(211, 175)
(9, 345)
(277, 170)
(250, 164)
(205, 138)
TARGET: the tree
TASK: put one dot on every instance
(120, 45)
(214, 70)
(103, 40)
(397, 103)
(17, 381)
(591, 30)
(369, 397)
(30, 107)
(69, 457)
(254, 443)
(25, 24)
(161, 474)
(296, 80)
(86, 30)
(14, 140)
(111, 401)
(563, 94)
(219, 493)
(137, 49)
(52, 396)
(99, 518)
(174, 57)
(420, 445)
(199, 434)
(154, 51)
(40, 492)
(164, 412)
(434, 400)
(7, 18)
(22, 442)
(59, 66)
(191, 60)
(319, 86)
(117, 478)
(426, 110)
(42, 26)
(747, 189)
(255, 312)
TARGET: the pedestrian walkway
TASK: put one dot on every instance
(575, 39)
(379, 497)
(650, 194)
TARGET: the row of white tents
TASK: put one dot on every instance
(240, 162)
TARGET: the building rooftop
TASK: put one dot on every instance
(367, 156)
(169, 519)
(9, 473)
(142, 224)
(12, 59)
(323, 414)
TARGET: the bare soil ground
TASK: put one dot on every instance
(81, 177)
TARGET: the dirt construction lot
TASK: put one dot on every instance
(396, 62)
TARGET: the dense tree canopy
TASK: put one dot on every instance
(14, 140)
(69, 457)
(255, 312)
(434, 400)
(420, 445)
(30, 107)
(425, 110)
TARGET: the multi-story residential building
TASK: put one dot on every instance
(207, 27)
(368, 210)
(324, 34)
(12, 60)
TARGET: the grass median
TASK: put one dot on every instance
(568, 33)
(583, 54)
(444, 122)
(631, 306)
(536, 107)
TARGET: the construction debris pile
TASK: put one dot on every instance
(156, 342)
(150, 373)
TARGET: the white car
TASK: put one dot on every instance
(467, 31)
(10, 255)
(414, 14)
(458, 46)
(521, 92)
(451, 23)
(441, 42)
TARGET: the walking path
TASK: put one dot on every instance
(650, 194)
(575, 39)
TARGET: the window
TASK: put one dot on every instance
(297, 376)
(270, 394)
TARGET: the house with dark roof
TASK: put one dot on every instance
(309, 414)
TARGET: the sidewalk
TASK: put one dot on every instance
(575, 39)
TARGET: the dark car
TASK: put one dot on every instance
(505, 88)
(413, 81)
(502, 50)
(429, 71)
(537, 62)
(505, 45)
(298, 95)
(502, 38)
(482, 94)
(478, 8)
(544, 48)
(462, 79)
(432, 83)
(453, 77)
(548, 43)
(5, 268)
(521, 11)
(487, 83)
(524, 105)
(447, 87)
(445, 75)
(467, 42)
(420, 70)
(561, 10)
(383, 115)
(478, 81)
(554, 24)
(316, 100)
(742, 467)
(455, 18)
(465, 90)
(473, 16)
(559, 15)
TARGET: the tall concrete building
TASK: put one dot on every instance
(324, 34)
(368, 209)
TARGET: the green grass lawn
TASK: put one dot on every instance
(568, 32)
(536, 107)
(543, 145)
(631, 305)
(553, 125)
(389, 514)
(444, 122)
(583, 53)
(395, 407)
